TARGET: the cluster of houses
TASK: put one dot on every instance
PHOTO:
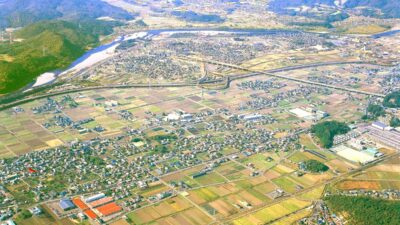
(391, 194)
(154, 64)
(101, 163)
(261, 85)
(259, 102)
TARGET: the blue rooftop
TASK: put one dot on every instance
(66, 204)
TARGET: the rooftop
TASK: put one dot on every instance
(109, 209)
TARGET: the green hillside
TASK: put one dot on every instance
(46, 46)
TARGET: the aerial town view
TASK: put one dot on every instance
(200, 112)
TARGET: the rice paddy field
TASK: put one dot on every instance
(240, 194)
(380, 177)
(272, 213)
(173, 209)
(230, 191)
(238, 191)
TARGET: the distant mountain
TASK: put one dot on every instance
(197, 17)
(287, 6)
(15, 13)
(389, 8)
(47, 46)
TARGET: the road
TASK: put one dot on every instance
(256, 73)
(224, 82)
(32, 98)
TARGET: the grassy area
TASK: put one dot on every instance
(366, 29)
(314, 194)
(286, 184)
(206, 194)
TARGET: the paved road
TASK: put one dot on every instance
(255, 73)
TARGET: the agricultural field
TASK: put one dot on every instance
(24, 132)
(197, 154)
(274, 212)
(187, 112)
(168, 211)
(238, 190)
(380, 177)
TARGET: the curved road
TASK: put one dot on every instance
(271, 74)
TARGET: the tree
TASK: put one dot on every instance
(392, 100)
(314, 166)
(137, 139)
(395, 122)
(376, 111)
(326, 131)
(25, 214)
(365, 210)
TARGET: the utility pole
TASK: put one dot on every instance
(368, 104)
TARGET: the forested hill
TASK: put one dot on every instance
(46, 46)
(16, 13)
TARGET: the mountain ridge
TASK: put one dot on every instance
(16, 13)
(389, 8)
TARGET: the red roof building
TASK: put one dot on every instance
(79, 203)
(109, 209)
(90, 214)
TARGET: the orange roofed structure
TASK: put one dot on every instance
(109, 209)
(80, 204)
(90, 214)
